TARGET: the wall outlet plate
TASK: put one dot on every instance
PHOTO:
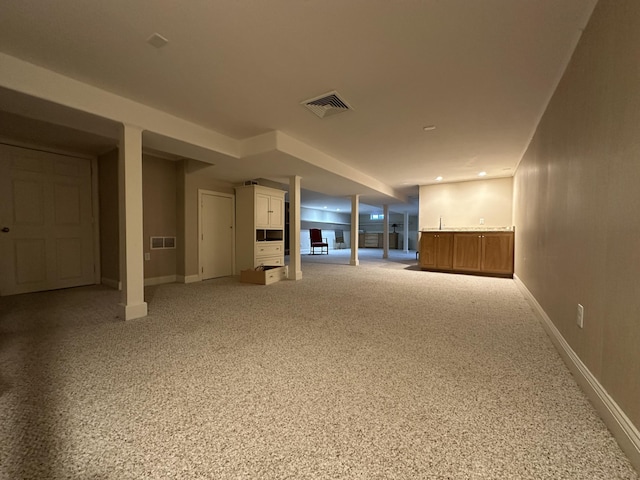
(580, 316)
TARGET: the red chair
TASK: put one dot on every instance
(318, 242)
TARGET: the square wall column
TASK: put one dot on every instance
(355, 226)
(295, 270)
(385, 232)
(131, 213)
(405, 234)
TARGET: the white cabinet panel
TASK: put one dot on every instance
(259, 226)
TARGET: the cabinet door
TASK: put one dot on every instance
(444, 251)
(497, 252)
(427, 250)
(276, 211)
(393, 241)
(467, 252)
(262, 207)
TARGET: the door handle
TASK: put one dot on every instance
(5, 230)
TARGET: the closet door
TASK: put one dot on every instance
(216, 239)
(46, 221)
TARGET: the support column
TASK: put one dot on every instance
(355, 227)
(385, 232)
(405, 233)
(130, 212)
(295, 264)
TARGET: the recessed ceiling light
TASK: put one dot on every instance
(482, 174)
(157, 40)
(428, 128)
(438, 179)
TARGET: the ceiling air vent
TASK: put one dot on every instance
(327, 105)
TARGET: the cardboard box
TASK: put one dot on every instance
(265, 276)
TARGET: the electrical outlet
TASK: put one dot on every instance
(482, 221)
(580, 316)
(147, 256)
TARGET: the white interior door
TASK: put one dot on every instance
(216, 235)
(46, 221)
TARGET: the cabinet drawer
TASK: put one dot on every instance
(264, 277)
(275, 275)
(273, 260)
(269, 249)
(371, 240)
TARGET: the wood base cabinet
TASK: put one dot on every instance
(436, 251)
(484, 252)
(467, 252)
(488, 253)
(375, 240)
(497, 253)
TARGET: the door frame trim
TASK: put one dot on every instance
(201, 193)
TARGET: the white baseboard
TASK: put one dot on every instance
(159, 280)
(110, 282)
(624, 431)
(187, 278)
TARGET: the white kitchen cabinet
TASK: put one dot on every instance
(259, 226)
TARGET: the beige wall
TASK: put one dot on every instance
(109, 224)
(159, 180)
(576, 203)
(170, 196)
(464, 204)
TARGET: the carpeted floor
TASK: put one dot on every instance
(373, 372)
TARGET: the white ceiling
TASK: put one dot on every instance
(482, 72)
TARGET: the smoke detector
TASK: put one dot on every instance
(327, 104)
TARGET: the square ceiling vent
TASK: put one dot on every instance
(327, 104)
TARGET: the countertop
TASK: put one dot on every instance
(469, 229)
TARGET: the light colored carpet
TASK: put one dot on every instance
(373, 372)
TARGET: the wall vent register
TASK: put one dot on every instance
(158, 243)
